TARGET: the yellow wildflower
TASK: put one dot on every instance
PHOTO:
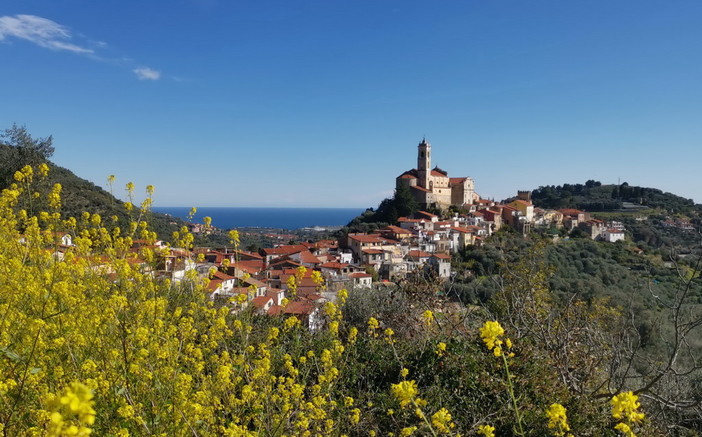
(441, 420)
(625, 406)
(486, 430)
(557, 419)
(491, 333)
(428, 317)
(405, 392)
(373, 326)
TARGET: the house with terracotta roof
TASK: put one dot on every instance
(306, 311)
(593, 228)
(361, 279)
(573, 217)
(262, 303)
(526, 208)
(613, 235)
(305, 258)
(434, 186)
(441, 265)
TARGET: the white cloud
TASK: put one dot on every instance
(54, 36)
(146, 73)
(40, 31)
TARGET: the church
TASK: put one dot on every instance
(434, 186)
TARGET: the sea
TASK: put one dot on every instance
(283, 218)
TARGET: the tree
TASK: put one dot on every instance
(21, 149)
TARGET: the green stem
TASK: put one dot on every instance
(511, 394)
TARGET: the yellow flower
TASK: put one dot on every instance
(440, 349)
(388, 335)
(373, 326)
(405, 432)
(625, 406)
(491, 333)
(557, 419)
(405, 392)
(442, 421)
(355, 416)
(486, 430)
(625, 429)
(428, 317)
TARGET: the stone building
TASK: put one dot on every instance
(434, 186)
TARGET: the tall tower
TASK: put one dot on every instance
(424, 163)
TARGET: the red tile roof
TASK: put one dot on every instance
(261, 301)
(307, 257)
(418, 254)
(425, 214)
(364, 238)
(299, 307)
(396, 230)
(222, 276)
(360, 275)
(333, 265)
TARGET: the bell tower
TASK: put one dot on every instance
(424, 163)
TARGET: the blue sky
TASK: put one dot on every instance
(322, 103)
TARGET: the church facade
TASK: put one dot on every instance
(434, 186)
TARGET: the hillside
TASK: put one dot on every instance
(78, 194)
(593, 196)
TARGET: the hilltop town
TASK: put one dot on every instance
(297, 278)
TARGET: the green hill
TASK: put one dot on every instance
(77, 194)
(593, 196)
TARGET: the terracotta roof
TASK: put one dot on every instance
(570, 211)
(410, 173)
(456, 181)
(438, 174)
(425, 214)
(396, 230)
(360, 275)
(261, 301)
(275, 310)
(372, 251)
(418, 254)
(252, 281)
(441, 256)
(440, 171)
(222, 276)
(284, 260)
(333, 265)
(214, 284)
(416, 187)
(364, 238)
(251, 266)
(284, 250)
(299, 307)
(307, 257)
(243, 253)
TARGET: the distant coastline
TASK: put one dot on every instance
(283, 218)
